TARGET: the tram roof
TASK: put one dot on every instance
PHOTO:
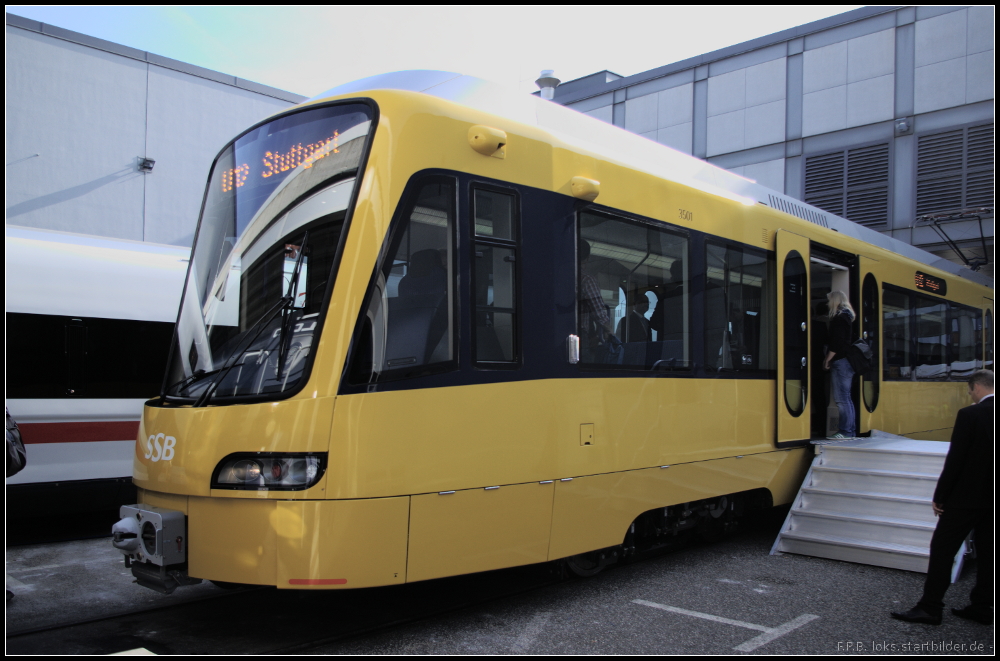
(587, 133)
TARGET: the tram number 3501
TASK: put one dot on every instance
(684, 214)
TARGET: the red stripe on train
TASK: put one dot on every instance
(78, 432)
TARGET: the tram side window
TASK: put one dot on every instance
(633, 306)
(897, 363)
(931, 362)
(494, 278)
(964, 342)
(408, 327)
(739, 310)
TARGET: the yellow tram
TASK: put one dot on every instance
(430, 328)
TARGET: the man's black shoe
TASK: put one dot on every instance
(974, 614)
(917, 615)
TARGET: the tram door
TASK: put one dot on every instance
(793, 419)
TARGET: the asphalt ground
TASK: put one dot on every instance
(705, 598)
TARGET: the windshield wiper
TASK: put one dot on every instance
(198, 375)
(285, 338)
(283, 304)
(261, 324)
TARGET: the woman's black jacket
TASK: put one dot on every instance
(841, 332)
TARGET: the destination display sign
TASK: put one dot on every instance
(281, 160)
(257, 164)
(931, 283)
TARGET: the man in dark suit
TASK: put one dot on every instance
(963, 501)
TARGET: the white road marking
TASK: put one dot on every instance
(531, 631)
(138, 651)
(769, 633)
(776, 632)
(704, 616)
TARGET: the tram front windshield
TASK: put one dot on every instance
(262, 264)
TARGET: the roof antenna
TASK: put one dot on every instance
(548, 84)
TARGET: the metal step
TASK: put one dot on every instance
(913, 508)
(863, 527)
(885, 481)
(896, 556)
(868, 501)
(929, 463)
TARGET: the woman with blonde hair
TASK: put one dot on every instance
(841, 323)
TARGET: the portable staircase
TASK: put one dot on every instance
(868, 501)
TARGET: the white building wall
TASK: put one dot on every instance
(79, 117)
(663, 116)
(873, 76)
(849, 83)
(746, 107)
(189, 120)
(76, 121)
(954, 59)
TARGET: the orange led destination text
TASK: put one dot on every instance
(234, 177)
(275, 162)
(299, 155)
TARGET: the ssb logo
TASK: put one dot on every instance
(158, 451)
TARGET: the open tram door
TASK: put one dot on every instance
(793, 419)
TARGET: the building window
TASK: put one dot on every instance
(955, 170)
(852, 183)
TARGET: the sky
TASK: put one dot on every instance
(307, 50)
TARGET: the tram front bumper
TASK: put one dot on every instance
(154, 543)
(254, 539)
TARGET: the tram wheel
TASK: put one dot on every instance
(585, 564)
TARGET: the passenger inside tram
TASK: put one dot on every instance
(634, 327)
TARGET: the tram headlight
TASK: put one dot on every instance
(265, 471)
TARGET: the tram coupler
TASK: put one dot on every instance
(154, 543)
(163, 579)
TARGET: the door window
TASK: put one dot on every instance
(870, 327)
(796, 308)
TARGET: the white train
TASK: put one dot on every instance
(89, 322)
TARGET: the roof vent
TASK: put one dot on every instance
(805, 213)
(548, 83)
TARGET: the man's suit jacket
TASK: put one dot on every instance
(967, 478)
